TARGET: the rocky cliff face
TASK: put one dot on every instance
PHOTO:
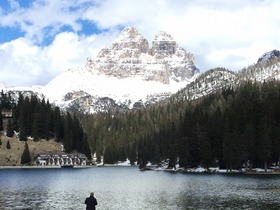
(269, 56)
(130, 56)
(180, 65)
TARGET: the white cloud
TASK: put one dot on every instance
(44, 17)
(24, 63)
(206, 28)
(232, 34)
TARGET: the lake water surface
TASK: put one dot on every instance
(128, 188)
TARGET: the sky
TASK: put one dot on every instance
(41, 38)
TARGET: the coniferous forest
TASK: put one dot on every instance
(38, 119)
(231, 129)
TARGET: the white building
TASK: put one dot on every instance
(61, 159)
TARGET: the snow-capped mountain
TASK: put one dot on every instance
(131, 74)
(126, 75)
(213, 80)
(269, 56)
(268, 69)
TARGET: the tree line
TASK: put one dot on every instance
(233, 128)
(38, 119)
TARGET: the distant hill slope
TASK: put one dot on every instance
(9, 157)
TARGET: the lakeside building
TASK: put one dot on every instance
(60, 159)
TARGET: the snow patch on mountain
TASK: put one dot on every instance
(269, 55)
(209, 82)
(131, 74)
(123, 91)
(127, 75)
(262, 71)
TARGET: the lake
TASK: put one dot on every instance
(128, 188)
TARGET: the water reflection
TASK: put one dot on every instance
(128, 188)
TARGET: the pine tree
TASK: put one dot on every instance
(68, 137)
(86, 149)
(35, 126)
(10, 131)
(132, 154)
(22, 123)
(172, 142)
(15, 119)
(215, 130)
(25, 157)
(26, 116)
(57, 124)
(1, 122)
(8, 146)
(22, 134)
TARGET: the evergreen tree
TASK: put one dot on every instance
(132, 153)
(48, 126)
(68, 138)
(22, 133)
(57, 125)
(183, 147)
(15, 119)
(25, 157)
(205, 147)
(35, 126)
(264, 144)
(172, 142)
(110, 155)
(8, 146)
(22, 123)
(235, 126)
(86, 148)
(25, 116)
(1, 122)
(10, 131)
(215, 132)
(5, 101)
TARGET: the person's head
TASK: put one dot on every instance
(92, 194)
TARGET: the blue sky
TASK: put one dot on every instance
(41, 38)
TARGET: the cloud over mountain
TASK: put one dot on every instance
(230, 34)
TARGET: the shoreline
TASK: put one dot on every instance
(149, 169)
(43, 167)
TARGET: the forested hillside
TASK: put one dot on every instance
(232, 128)
(38, 119)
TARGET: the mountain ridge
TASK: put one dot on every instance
(128, 74)
(132, 74)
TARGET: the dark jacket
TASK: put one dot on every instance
(91, 202)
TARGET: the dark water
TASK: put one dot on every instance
(128, 188)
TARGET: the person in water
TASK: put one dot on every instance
(91, 202)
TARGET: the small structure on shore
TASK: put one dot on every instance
(60, 159)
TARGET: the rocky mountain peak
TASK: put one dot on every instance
(163, 36)
(131, 39)
(130, 56)
(163, 45)
(129, 34)
(269, 55)
(125, 75)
